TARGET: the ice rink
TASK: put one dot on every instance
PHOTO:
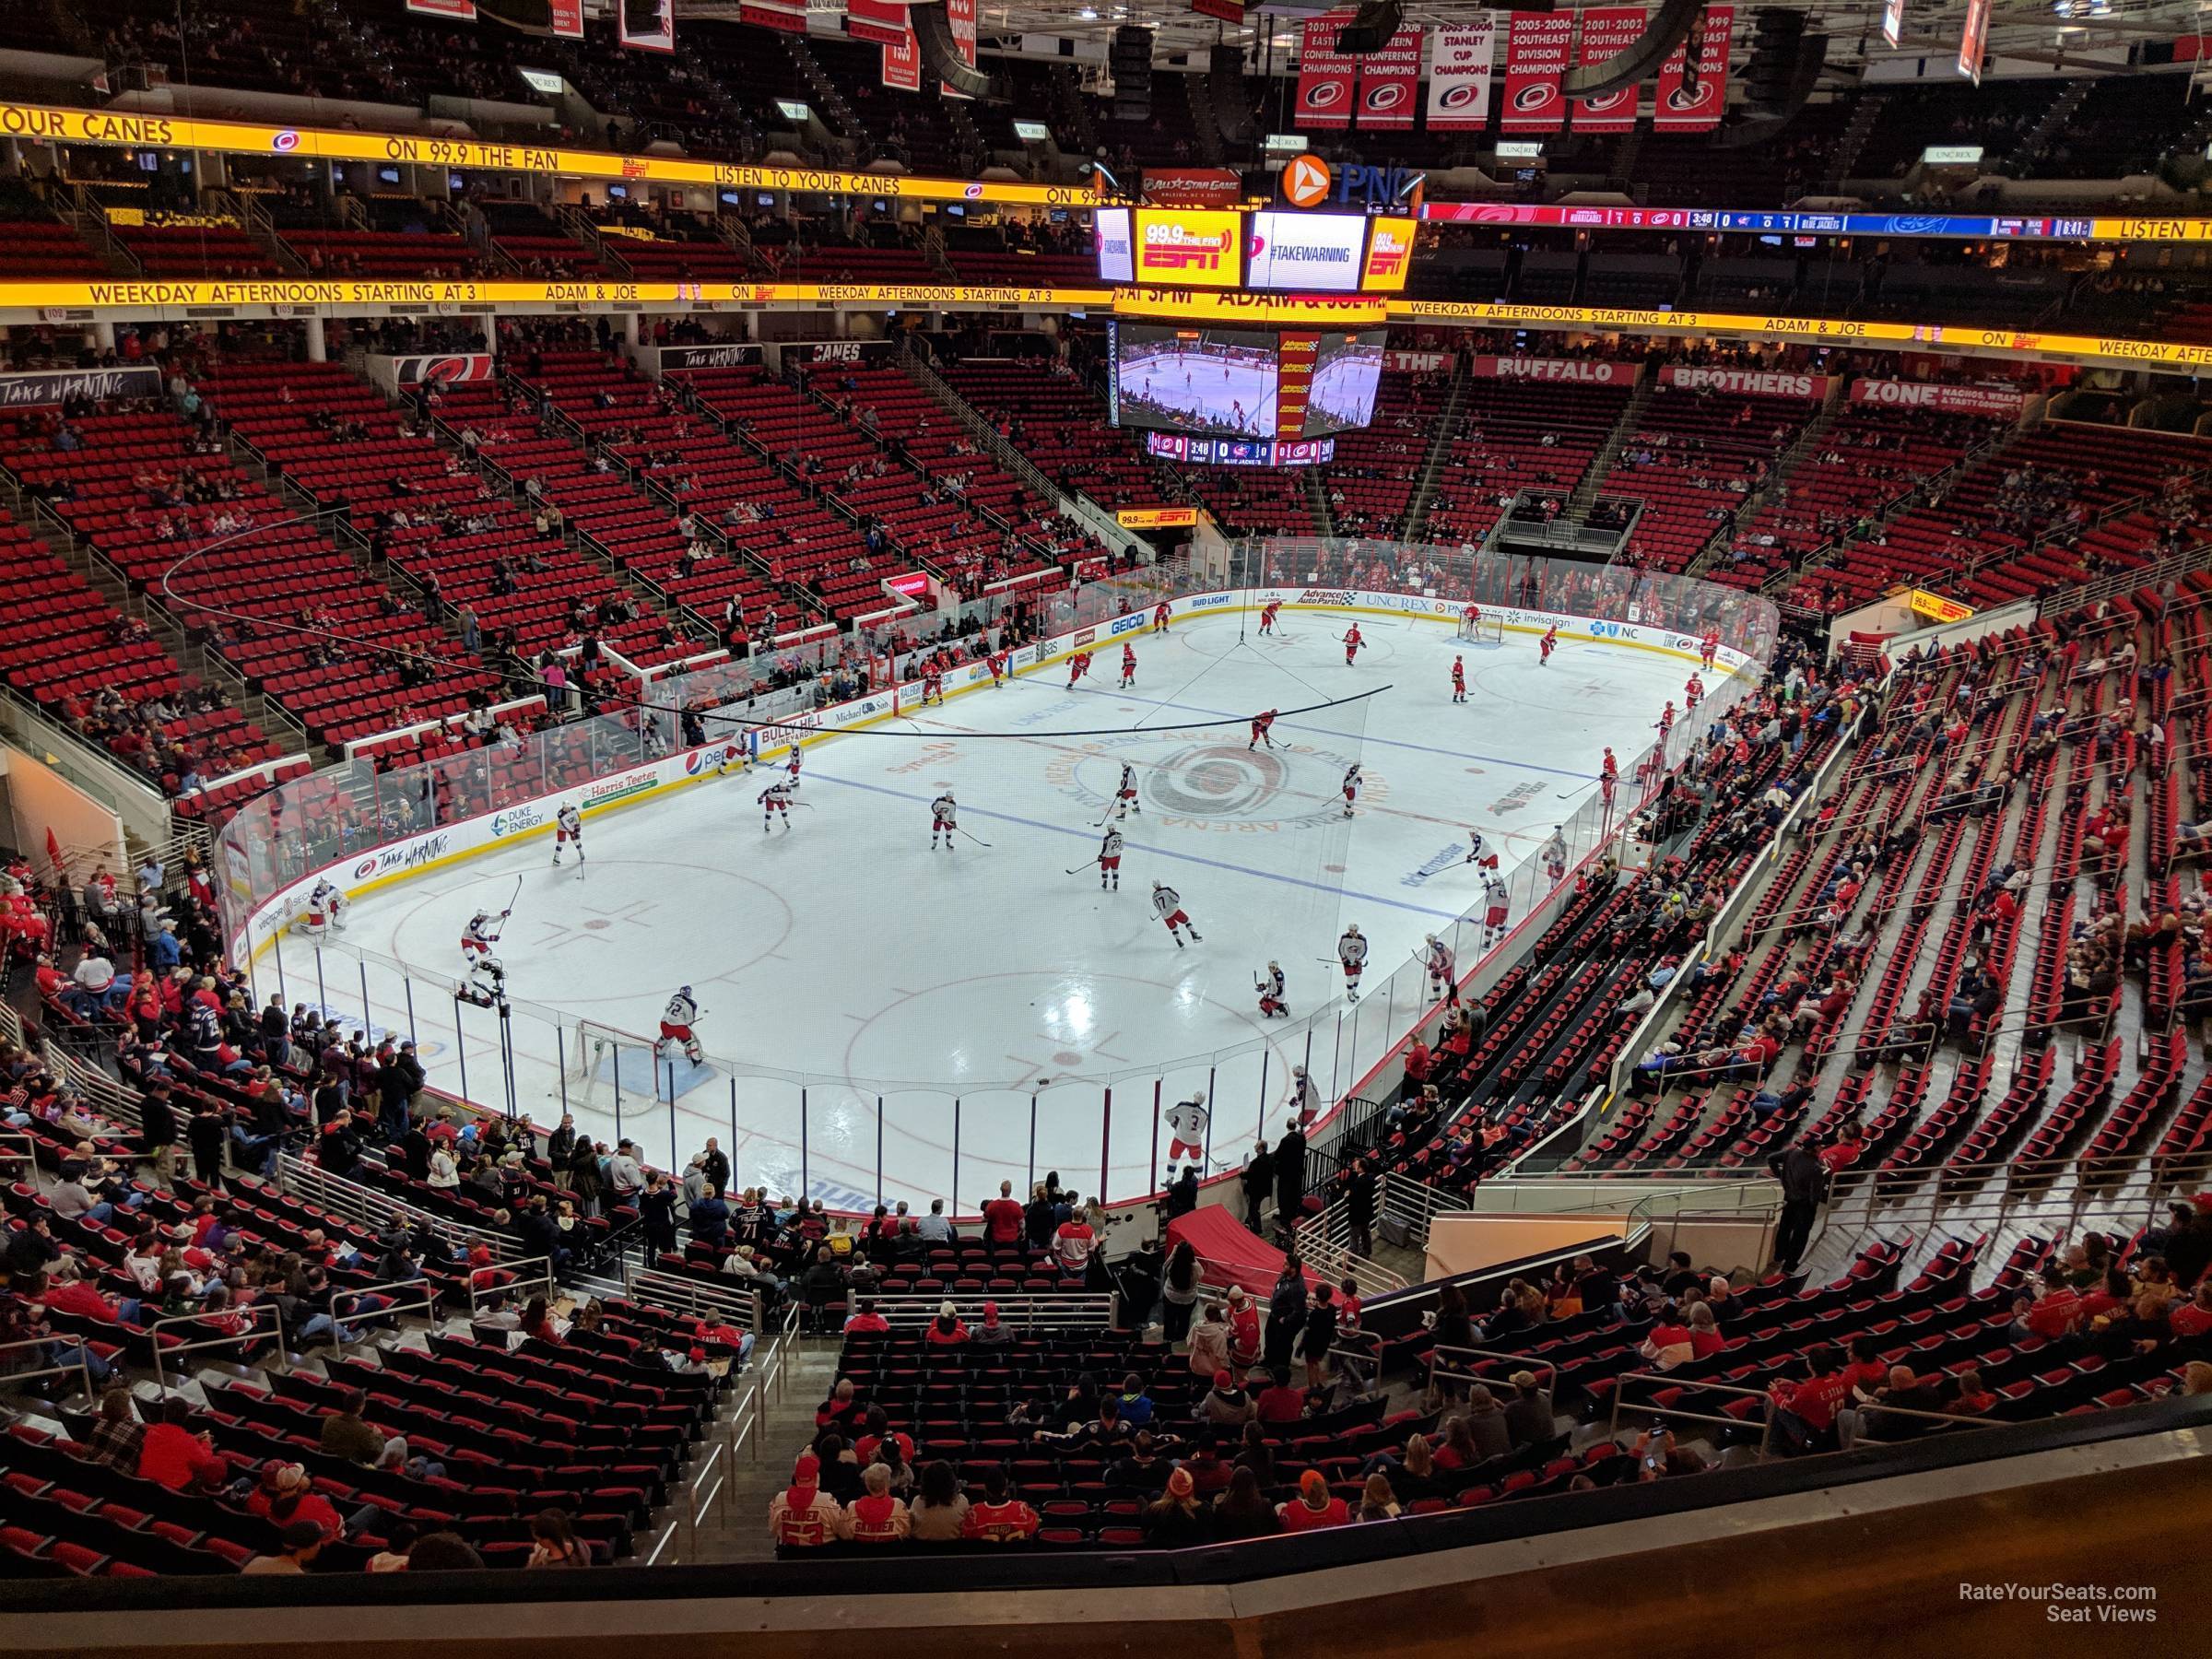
(1206, 391)
(843, 959)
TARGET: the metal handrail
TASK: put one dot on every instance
(82, 1368)
(1026, 1311)
(407, 1296)
(371, 1206)
(1521, 1360)
(746, 1308)
(524, 1279)
(251, 1314)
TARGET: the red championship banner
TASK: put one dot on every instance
(902, 63)
(646, 24)
(568, 19)
(1390, 83)
(1459, 75)
(1608, 31)
(1682, 108)
(1973, 39)
(960, 15)
(879, 22)
(788, 18)
(1324, 74)
(1224, 11)
(461, 11)
(1538, 48)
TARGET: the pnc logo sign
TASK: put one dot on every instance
(1306, 181)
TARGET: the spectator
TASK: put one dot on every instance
(346, 1433)
(1315, 1506)
(1278, 1401)
(1209, 1350)
(1378, 1502)
(1243, 1510)
(875, 1516)
(1179, 1291)
(553, 1542)
(118, 1434)
(1174, 1520)
(999, 1518)
(298, 1545)
(172, 1455)
(1529, 1419)
(443, 1552)
(1319, 1335)
(1003, 1217)
(1484, 1420)
(1226, 1405)
(939, 1512)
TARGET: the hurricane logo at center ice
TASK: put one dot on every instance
(1214, 781)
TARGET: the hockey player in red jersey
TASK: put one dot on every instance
(932, 687)
(1260, 722)
(1459, 680)
(996, 662)
(1159, 618)
(1693, 693)
(1352, 641)
(1608, 774)
(1546, 646)
(1708, 648)
(1269, 613)
(1077, 666)
(1128, 667)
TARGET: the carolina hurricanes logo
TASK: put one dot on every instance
(286, 142)
(1541, 96)
(1685, 98)
(1324, 95)
(449, 369)
(1384, 98)
(1464, 94)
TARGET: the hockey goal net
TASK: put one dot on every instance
(1485, 629)
(606, 1062)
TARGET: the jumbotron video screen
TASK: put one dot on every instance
(1244, 383)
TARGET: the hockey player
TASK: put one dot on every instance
(1128, 667)
(1269, 984)
(1268, 612)
(1077, 666)
(1708, 648)
(1493, 909)
(1260, 722)
(1608, 774)
(326, 911)
(1304, 1102)
(1459, 680)
(1124, 793)
(676, 1020)
(1352, 641)
(1186, 1122)
(1469, 619)
(1168, 903)
(567, 826)
(775, 803)
(996, 662)
(791, 764)
(1693, 693)
(1666, 723)
(1478, 850)
(1351, 788)
(1442, 984)
(1546, 646)
(1159, 618)
(943, 820)
(933, 686)
(1554, 853)
(737, 752)
(1110, 860)
(478, 938)
(1352, 951)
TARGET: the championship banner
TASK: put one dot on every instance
(646, 24)
(1994, 403)
(902, 63)
(1743, 383)
(1193, 187)
(1893, 22)
(568, 19)
(1608, 31)
(960, 15)
(878, 22)
(1681, 108)
(461, 11)
(1538, 47)
(1586, 371)
(1221, 11)
(1973, 39)
(1390, 83)
(52, 386)
(1459, 75)
(1324, 74)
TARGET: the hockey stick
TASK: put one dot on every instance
(1081, 867)
(977, 839)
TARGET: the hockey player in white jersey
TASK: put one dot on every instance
(1168, 903)
(1442, 984)
(1124, 793)
(944, 819)
(1554, 853)
(479, 935)
(775, 803)
(1478, 851)
(1494, 909)
(1269, 984)
(1351, 788)
(567, 826)
(326, 911)
(1352, 951)
(1304, 1103)
(1110, 860)
(737, 752)
(676, 1020)
(1186, 1122)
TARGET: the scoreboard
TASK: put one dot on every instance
(1264, 250)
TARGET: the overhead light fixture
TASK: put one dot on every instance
(1089, 13)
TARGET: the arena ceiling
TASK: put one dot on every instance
(2077, 35)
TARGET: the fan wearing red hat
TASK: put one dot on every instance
(803, 1516)
(1314, 1507)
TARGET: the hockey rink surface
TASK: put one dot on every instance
(846, 958)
